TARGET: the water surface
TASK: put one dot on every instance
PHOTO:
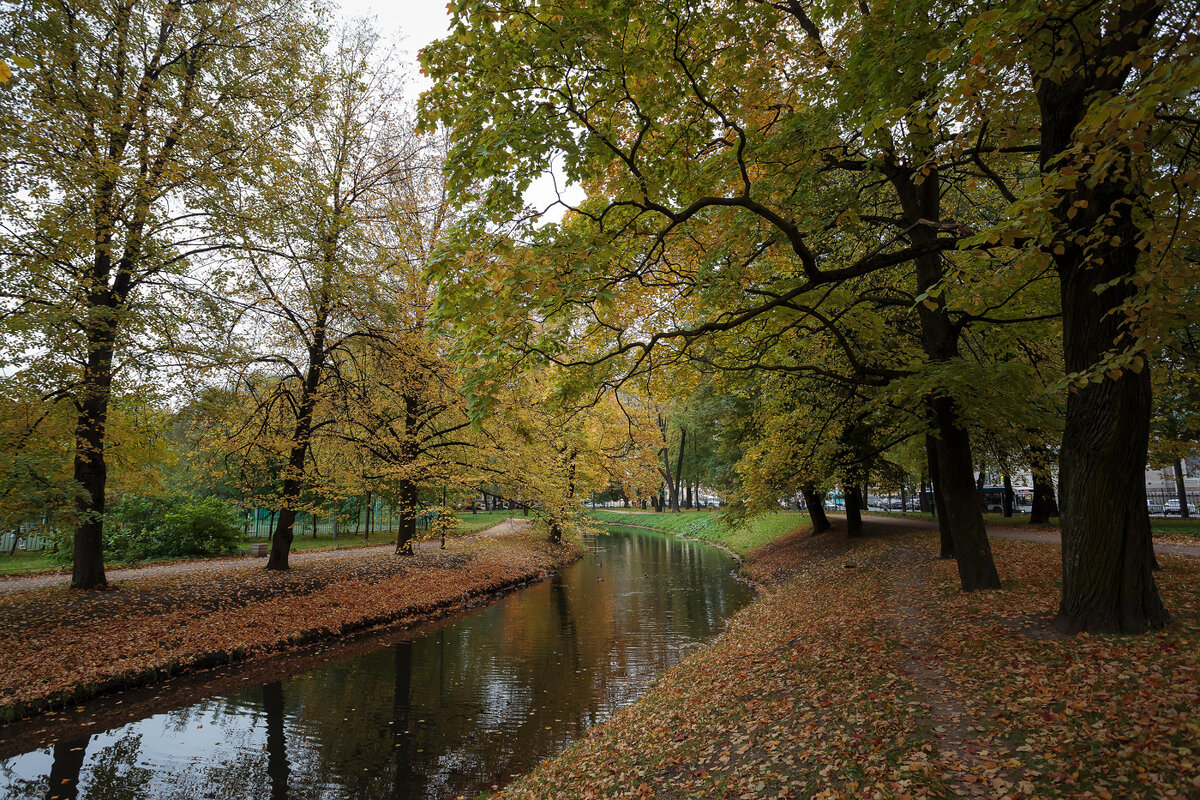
(446, 712)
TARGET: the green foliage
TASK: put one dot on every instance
(172, 527)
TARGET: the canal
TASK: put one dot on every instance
(446, 711)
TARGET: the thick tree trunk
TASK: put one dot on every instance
(815, 501)
(1108, 580)
(854, 525)
(293, 480)
(961, 502)
(1044, 505)
(90, 467)
(281, 539)
(1181, 490)
(945, 537)
(1006, 504)
(406, 531)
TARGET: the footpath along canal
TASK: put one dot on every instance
(450, 709)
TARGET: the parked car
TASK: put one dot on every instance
(1172, 507)
(1156, 509)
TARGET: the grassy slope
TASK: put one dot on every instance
(709, 527)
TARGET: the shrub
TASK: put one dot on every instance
(199, 528)
(137, 528)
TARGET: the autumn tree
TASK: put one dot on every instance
(711, 202)
(127, 123)
(1110, 103)
(309, 284)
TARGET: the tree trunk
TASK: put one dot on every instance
(1044, 504)
(1181, 490)
(961, 508)
(293, 481)
(370, 514)
(959, 503)
(406, 532)
(854, 525)
(1007, 503)
(671, 500)
(815, 501)
(91, 469)
(281, 539)
(1108, 581)
(678, 471)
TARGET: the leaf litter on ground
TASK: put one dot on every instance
(862, 671)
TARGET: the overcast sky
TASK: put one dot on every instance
(416, 23)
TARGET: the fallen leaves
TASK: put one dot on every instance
(892, 684)
(58, 646)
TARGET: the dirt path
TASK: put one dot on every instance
(213, 566)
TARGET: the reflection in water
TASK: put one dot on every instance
(277, 763)
(452, 711)
(63, 783)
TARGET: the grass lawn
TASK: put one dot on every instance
(708, 526)
(25, 561)
(40, 560)
(1165, 525)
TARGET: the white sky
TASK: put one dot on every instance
(414, 24)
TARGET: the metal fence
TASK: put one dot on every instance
(1164, 503)
(12, 540)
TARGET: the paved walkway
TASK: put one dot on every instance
(17, 583)
(1014, 531)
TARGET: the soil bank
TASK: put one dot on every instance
(59, 647)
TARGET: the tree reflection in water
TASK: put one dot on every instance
(447, 713)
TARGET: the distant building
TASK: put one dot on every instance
(1163, 480)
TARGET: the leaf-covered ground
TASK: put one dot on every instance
(58, 646)
(864, 672)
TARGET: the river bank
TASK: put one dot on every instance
(59, 647)
(863, 672)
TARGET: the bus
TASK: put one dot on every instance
(993, 499)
